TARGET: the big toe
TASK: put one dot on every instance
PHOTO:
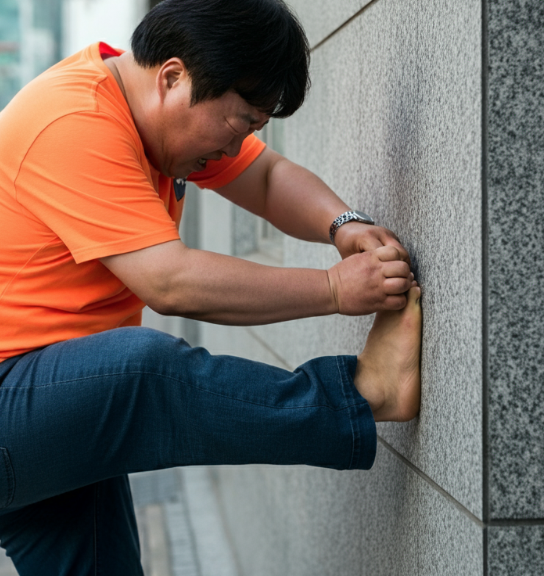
(414, 295)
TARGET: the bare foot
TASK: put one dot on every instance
(388, 374)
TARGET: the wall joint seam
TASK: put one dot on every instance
(343, 25)
(433, 484)
(268, 348)
(485, 282)
(515, 522)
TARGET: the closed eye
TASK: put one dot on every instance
(239, 132)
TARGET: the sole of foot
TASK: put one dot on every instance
(388, 369)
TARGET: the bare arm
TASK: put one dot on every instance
(300, 204)
(175, 280)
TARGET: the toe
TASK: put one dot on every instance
(414, 295)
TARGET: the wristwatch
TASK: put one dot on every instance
(350, 216)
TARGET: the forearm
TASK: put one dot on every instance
(227, 290)
(175, 280)
(299, 203)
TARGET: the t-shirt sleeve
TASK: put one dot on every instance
(84, 178)
(219, 173)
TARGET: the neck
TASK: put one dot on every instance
(111, 63)
(138, 85)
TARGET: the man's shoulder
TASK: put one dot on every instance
(73, 87)
(69, 86)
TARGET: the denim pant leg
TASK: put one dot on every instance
(90, 531)
(89, 409)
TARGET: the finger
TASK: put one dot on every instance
(388, 253)
(397, 285)
(396, 302)
(402, 250)
(372, 243)
(396, 268)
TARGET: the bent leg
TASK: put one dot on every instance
(134, 399)
(85, 532)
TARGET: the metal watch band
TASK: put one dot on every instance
(350, 216)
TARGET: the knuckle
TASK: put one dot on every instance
(400, 303)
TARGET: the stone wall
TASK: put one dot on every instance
(428, 115)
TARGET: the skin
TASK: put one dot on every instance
(388, 369)
(373, 276)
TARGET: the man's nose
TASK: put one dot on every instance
(233, 147)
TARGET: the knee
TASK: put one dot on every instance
(143, 347)
(154, 343)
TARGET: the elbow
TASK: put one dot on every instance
(160, 306)
(169, 303)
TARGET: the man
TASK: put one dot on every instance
(95, 154)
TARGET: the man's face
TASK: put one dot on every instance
(184, 137)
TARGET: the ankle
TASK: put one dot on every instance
(370, 387)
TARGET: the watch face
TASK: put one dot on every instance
(364, 217)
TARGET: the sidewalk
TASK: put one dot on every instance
(181, 531)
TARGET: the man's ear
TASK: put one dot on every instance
(171, 74)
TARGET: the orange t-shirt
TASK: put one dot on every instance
(75, 186)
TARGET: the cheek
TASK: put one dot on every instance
(187, 145)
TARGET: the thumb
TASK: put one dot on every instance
(388, 253)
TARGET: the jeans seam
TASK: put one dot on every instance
(341, 370)
(10, 477)
(113, 374)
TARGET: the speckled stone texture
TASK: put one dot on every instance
(393, 125)
(309, 522)
(516, 550)
(516, 263)
(321, 17)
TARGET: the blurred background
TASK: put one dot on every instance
(35, 34)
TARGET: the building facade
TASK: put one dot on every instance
(427, 115)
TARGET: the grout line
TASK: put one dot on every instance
(515, 522)
(485, 548)
(343, 25)
(269, 349)
(485, 285)
(499, 522)
(433, 484)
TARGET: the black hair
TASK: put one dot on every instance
(255, 47)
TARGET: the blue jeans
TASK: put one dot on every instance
(78, 416)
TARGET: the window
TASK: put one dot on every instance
(30, 42)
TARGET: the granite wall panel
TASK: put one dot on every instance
(393, 125)
(516, 550)
(308, 522)
(516, 267)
